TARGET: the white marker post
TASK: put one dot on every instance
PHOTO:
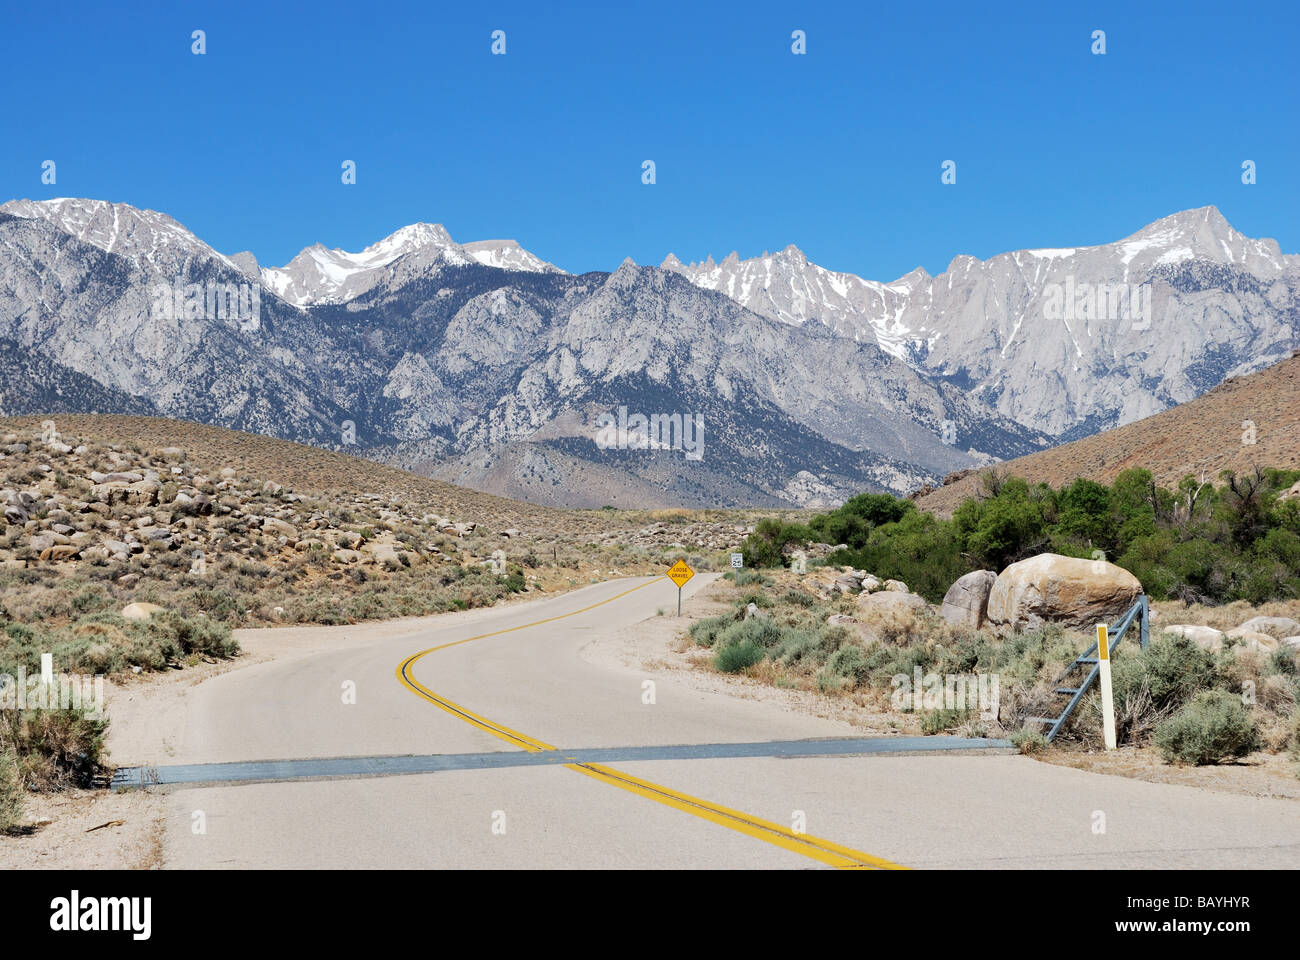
(1107, 696)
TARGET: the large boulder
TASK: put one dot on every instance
(1050, 588)
(1207, 638)
(1254, 640)
(862, 631)
(966, 603)
(279, 528)
(140, 611)
(1277, 627)
(872, 606)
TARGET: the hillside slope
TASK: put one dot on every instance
(1206, 434)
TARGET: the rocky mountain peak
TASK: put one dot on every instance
(151, 239)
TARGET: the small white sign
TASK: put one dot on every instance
(737, 560)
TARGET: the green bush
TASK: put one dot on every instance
(766, 545)
(849, 662)
(1215, 726)
(1149, 685)
(734, 657)
(705, 632)
(760, 631)
(1202, 542)
(1029, 741)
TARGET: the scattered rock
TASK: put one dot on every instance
(1277, 627)
(1253, 640)
(1207, 638)
(870, 605)
(966, 603)
(140, 611)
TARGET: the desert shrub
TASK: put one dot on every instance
(798, 598)
(1149, 686)
(11, 790)
(805, 645)
(849, 662)
(705, 632)
(1029, 741)
(1214, 726)
(53, 748)
(761, 631)
(199, 634)
(942, 721)
(737, 656)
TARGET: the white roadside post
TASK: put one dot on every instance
(1107, 697)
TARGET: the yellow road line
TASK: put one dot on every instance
(809, 846)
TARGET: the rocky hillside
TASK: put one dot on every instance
(1245, 421)
(200, 518)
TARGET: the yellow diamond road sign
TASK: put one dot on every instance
(679, 573)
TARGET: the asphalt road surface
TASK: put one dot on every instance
(513, 682)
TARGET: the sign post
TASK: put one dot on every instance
(1107, 697)
(679, 573)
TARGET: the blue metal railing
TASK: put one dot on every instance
(1116, 632)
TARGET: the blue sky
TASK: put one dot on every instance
(838, 151)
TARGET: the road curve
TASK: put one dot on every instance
(513, 679)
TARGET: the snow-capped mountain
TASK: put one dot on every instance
(508, 255)
(787, 287)
(152, 239)
(485, 365)
(1152, 320)
(318, 275)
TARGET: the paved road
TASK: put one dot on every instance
(514, 680)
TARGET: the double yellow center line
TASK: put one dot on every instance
(822, 850)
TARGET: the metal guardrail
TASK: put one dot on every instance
(1117, 631)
